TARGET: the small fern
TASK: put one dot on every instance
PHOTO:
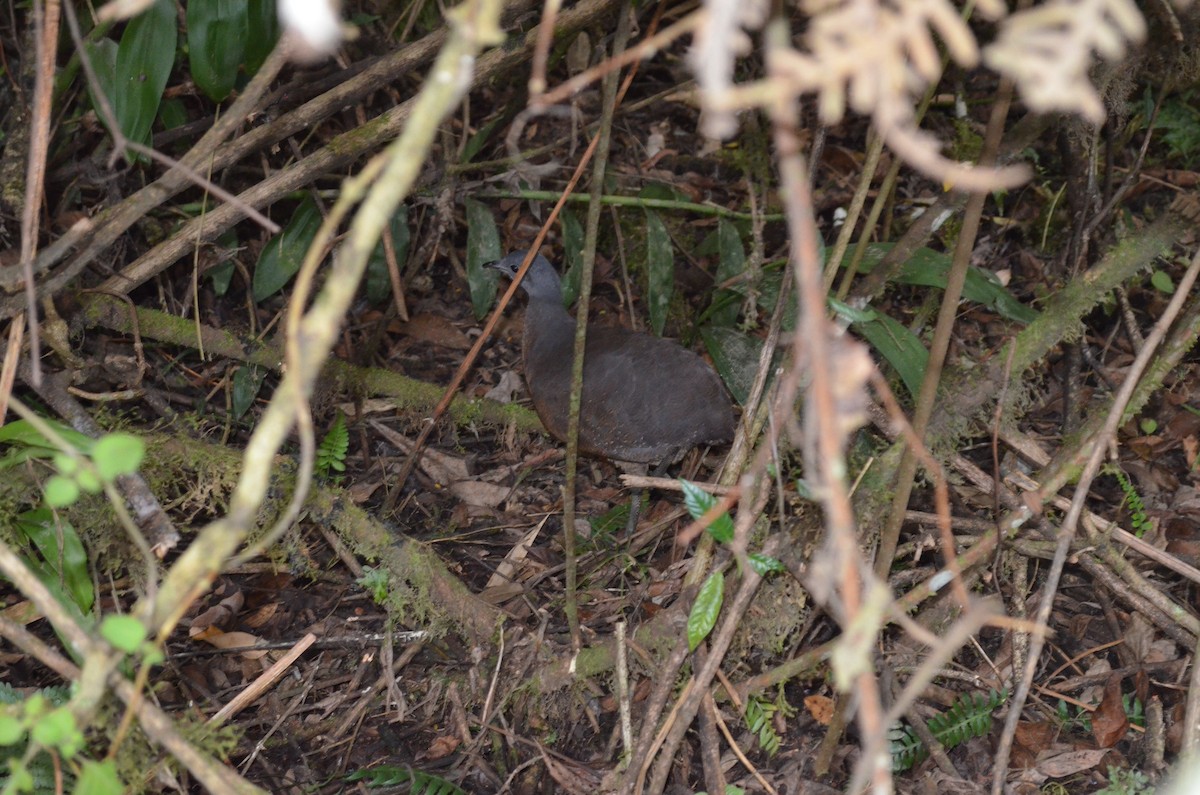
(758, 719)
(1072, 718)
(971, 716)
(419, 783)
(331, 454)
(1138, 519)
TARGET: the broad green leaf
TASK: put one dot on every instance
(663, 192)
(222, 276)
(899, 347)
(735, 355)
(117, 454)
(103, 54)
(124, 632)
(58, 729)
(99, 778)
(66, 464)
(477, 141)
(928, 268)
(61, 491)
(217, 36)
(764, 564)
(731, 262)
(1162, 282)
(698, 502)
(703, 616)
(144, 60)
(483, 246)
(378, 277)
(660, 270)
(60, 547)
(572, 255)
(22, 780)
(21, 433)
(768, 294)
(262, 33)
(283, 254)
(849, 313)
(222, 273)
(88, 481)
(172, 113)
(12, 731)
(247, 382)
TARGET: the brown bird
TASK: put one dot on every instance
(645, 399)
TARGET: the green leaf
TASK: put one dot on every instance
(21, 780)
(283, 254)
(899, 347)
(222, 276)
(88, 481)
(118, 454)
(103, 54)
(764, 564)
(143, 65)
(929, 268)
(331, 452)
(698, 502)
(172, 113)
(21, 433)
(124, 632)
(12, 731)
(851, 314)
(735, 355)
(703, 616)
(247, 382)
(57, 729)
(222, 273)
(378, 276)
(99, 778)
(262, 33)
(61, 491)
(217, 35)
(732, 262)
(477, 141)
(66, 464)
(1162, 282)
(660, 270)
(768, 294)
(572, 242)
(483, 246)
(61, 548)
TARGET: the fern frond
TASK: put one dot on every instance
(331, 453)
(970, 716)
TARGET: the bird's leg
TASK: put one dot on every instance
(635, 507)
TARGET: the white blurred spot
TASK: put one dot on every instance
(315, 25)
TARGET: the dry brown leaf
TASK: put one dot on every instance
(1036, 735)
(441, 747)
(231, 640)
(474, 492)
(1109, 721)
(262, 615)
(219, 614)
(1139, 635)
(1057, 764)
(436, 330)
(820, 707)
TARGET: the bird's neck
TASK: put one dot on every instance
(548, 325)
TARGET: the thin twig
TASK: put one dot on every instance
(1067, 531)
